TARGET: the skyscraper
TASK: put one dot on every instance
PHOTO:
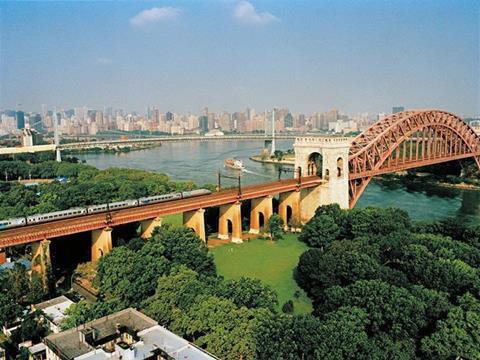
(397, 109)
(203, 122)
(288, 121)
(20, 117)
(35, 122)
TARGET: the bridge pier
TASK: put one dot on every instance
(101, 243)
(41, 259)
(230, 214)
(58, 155)
(289, 210)
(262, 206)
(196, 221)
(3, 256)
(147, 227)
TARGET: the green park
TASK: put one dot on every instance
(272, 262)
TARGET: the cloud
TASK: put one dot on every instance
(104, 61)
(154, 15)
(245, 12)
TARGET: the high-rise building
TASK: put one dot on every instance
(288, 121)
(397, 109)
(35, 122)
(20, 118)
(203, 123)
(169, 116)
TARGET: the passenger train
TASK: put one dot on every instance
(93, 209)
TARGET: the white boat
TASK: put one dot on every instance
(234, 164)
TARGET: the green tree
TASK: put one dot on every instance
(82, 312)
(342, 335)
(33, 327)
(223, 329)
(458, 336)
(318, 270)
(183, 246)
(335, 212)
(452, 276)
(278, 155)
(128, 276)
(9, 309)
(376, 221)
(36, 289)
(275, 227)
(251, 293)
(19, 282)
(390, 309)
(287, 337)
(320, 231)
(174, 295)
(288, 308)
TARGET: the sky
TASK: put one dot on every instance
(356, 56)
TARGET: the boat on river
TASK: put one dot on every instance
(234, 164)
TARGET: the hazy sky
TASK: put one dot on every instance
(183, 55)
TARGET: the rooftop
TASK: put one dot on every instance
(86, 342)
(54, 309)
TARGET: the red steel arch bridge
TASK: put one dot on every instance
(407, 140)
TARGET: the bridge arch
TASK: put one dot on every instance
(340, 167)
(314, 164)
(408, 140)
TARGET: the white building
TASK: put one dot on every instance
(124, 335)
(54, 311)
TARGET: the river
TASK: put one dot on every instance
(201, 161)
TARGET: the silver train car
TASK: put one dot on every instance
(64, 214)
(93, 209)
(11, 223)
(159, 198)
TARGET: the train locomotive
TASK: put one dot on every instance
(94, 209)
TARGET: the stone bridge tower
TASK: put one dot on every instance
(326, 157)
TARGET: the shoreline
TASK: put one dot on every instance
(459, 186)
(112, 149)
(271, 161)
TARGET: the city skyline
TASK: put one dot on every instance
(359, 58)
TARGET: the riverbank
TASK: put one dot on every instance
(113, 149)
(428, 179)
(259, 159)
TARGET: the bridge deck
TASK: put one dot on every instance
(31, 233)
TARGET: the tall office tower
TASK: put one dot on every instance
(20, 118)
(332, 115)
(397, 109)
(79, 113)
(99, 120)
(169, 116)
(35, 122)
(155, 116)
(203, 123)
(288, 120)
(224, 121)
(301, 120)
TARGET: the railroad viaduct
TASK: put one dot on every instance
(328, 170)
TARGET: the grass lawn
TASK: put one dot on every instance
(271, 262)
(174, 219)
